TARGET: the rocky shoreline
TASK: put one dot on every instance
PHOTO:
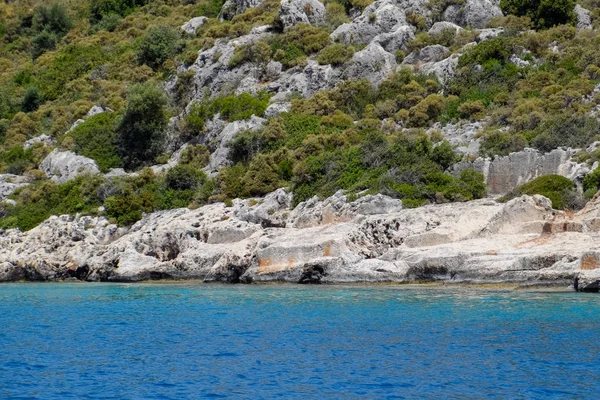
(372, 239)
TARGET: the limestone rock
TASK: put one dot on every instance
(193, 24)
(428, 54)
(63, 166)
(439, 27)
(9, 183)
(444, 69)
(277, 108)
(474, 13)
(382, 16)
(396, 40)
(45, 140)
(231, 8)
(218, 158)
(373, 63)
(293, 12)
(584, 18)
(503, 174)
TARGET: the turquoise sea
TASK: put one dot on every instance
(191, 340)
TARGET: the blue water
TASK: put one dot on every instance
(178, 341)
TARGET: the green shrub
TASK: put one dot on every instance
(567, 131)
(501, 143)
(185, 177)
(157, 46)
(557, 188)
(335, 54)
(210, 8)
(141, 131)
(101, 8)
(543, 13)
(258, 53)
(53, 19)
(96, 139)
(32, 100)
(240, 107)
(41, 43)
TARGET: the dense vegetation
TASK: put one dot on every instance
(58, 59)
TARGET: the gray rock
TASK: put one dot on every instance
(396, 40)
(584, 18)
(218, 158)
(45, 140)
(193, 24)
(427, 54)
(474, 13)
(503, 174)
(462, 135)
(444, 69)
(490, 33)
(293, 12)
(95, 110)
(277, 108)
(63, 166)
(439, 28)
(373, 63)
(272, 211)
(382, 16)
(9, 183)
(231, 8)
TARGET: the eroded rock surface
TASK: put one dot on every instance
(370, 239)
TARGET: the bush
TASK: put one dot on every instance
(101, 8)
(543, 13)
(141, 131)
(185, 177)
(567, 131)
(557, 188)
(258, 53)
(210, 8)
(41, 43)
(499, 143)
(96, 139)
(32, 100)
(240, 107)
(157, 46)
(335, 54)
(52, 19)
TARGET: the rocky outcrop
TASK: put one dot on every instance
(372, 63)
(503, 174)
(584, 18)
(370, 239)
(63, 166)
(439, 27)
(428, 54)
(473, 13)
(9, 183)
(44, 140)
(231, 8)
(293, 12)
(193, 24)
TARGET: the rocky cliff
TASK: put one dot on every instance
(371, 239)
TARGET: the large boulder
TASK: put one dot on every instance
(293, 12)
(63, 166)
(396, 40)
(193, 24)
(474, 13)
(428, 54)
(444, 69)
(441, 26)
(373, 63)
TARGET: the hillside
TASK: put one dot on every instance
(119, 108)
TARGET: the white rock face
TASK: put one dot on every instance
(293, 12)
(503, 174)
(396, 40)
(63, 166)
(584, 18)
(231, 8)
(444, 69)
(371, 239)
(193, 24)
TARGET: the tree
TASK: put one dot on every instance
(544, 13)
(33, 99)
(101, 8)
(157, 46)
(141, 132)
